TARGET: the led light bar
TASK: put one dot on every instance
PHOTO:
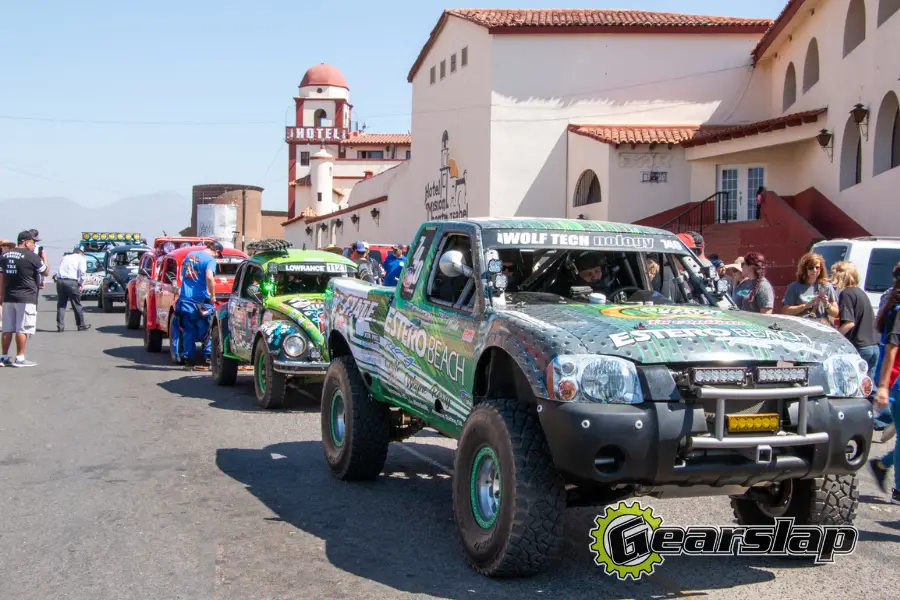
(782, 374)
(753, 423)
(707, 376)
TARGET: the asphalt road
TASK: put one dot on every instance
(125, 477)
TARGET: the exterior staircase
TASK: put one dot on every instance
(787, 228)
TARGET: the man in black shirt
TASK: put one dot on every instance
(21, 270)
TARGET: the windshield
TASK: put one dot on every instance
(621, 276)
(127, 259)
(881, 265)
(226, 269)
(288, 283)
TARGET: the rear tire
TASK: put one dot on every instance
(152, 337)
(825, 500)
(132, 317)
(508, 499)
(224, 369)
(356, 429)
(271, 387)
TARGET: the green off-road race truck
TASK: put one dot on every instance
(571, 377)
(273, 320)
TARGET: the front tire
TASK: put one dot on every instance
(152, 337)
(271, 387)
(356, 429)
(132, 317)
(224, 369)
(825, 500)
(508, 499)
(106, 303)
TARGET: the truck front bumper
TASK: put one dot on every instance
(673, 443)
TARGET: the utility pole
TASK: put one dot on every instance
(243, 219)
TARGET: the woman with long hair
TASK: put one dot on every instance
(754, 293)
(811, 296)
(888, 391)
(857, 318)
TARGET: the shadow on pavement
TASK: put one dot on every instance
(143, 360)
(240, 397)
(121, 330)
(384, 530)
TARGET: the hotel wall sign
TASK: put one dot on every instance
(315, 134)
(445, 198)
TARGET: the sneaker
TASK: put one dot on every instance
(22, 363)
(6, 362)
(895, 496)
(84, 328)
(889, 432)
(879, 472)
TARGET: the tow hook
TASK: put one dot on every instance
(763, 455)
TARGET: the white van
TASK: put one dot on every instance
(873, 256)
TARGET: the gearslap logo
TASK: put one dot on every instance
(629, 541)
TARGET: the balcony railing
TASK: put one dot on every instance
(709, 211)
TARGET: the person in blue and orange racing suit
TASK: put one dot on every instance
(196, 301)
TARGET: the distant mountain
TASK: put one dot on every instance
(60, 221)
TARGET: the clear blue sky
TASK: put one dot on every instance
(184, 65)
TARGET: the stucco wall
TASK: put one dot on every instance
(631, 199)
(543, 82)
(311, 106)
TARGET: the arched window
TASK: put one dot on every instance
(588, 189)
(319, 116)
(851, 155)
(811, 65)
(790, 87)
(886, 8)
(887, 135)
(855, 26)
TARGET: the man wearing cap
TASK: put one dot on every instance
(69, 282)
(723, 274)
(393, 266)
(20, 271)
(360, 255)
(196, 299)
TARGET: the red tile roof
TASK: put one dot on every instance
(636, 134)
(779, 25)
(377, 139)
(557, 21)
(718, 134)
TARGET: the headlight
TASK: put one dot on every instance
(591, 378)
(846, 375)
(294, 345)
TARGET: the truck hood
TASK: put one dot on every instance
(305, 310)
(678, 333)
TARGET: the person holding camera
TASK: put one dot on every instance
(812, 295)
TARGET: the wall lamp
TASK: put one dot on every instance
(861, 118)
(354, 218)
(339, 223)
(323, 226)
(375, 213)
(825, 140)
(309, 231)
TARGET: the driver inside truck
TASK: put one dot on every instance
(589, 269)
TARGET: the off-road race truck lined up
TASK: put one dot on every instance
(273, 320)
(568, 390)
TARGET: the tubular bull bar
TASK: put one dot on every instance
(762, 443)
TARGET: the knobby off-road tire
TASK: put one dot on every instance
(270, 386)
(825, 500)
(356, 429)
(224, 370)
(106, 303)
(524, 534)
(152, 337)
(132, 317)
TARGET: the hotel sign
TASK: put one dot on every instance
(315, 134)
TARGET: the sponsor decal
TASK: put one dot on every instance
(417, 264)
(568, 239)
(354, 307)
(666, 312)
(425, 346)
(303, 268)
(628, 338)
(468, 335)
(465, 397)
(629, 541)
(371, 337)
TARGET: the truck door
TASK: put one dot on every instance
(437, 328)
(244, 311)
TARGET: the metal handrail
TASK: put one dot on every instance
(699, 215)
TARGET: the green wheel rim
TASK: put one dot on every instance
(261, 372)
(338, 423)
(484, 487)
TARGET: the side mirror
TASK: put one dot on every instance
(254, 292)
(453, 264)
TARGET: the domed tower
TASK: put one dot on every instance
(322, 120)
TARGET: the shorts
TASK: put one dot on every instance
(19, 317)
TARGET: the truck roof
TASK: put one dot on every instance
(539, 223)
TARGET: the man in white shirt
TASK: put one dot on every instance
(69, 281)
